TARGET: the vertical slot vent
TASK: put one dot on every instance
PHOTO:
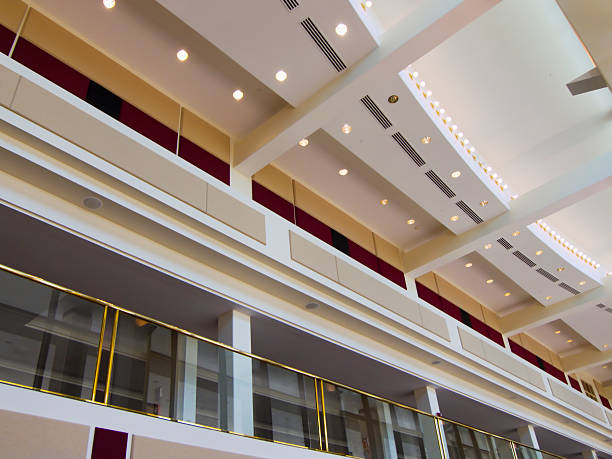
(523, 258)
(323, 44)
(572, 290)
(469, 212)
(547, 275)
(402, 142)
(376, 112)
(504, 243)
(440, 183)
(290, 4)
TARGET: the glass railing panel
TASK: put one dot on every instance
(526, 452)
(49, 339)
(415, 434)
(465, 443)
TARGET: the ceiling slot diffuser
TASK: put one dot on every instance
(572, 290)
(291, 4)
(376, 112)
(504, 243)
(600, 305)
(469, 212)
(440, 183)
(547, 275)
(402, 142)
(323, 44)
(523, 258)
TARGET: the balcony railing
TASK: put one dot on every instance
(58, 341)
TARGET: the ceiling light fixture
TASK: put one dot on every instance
(570, 340)
(516, 233)
(368, 4)
(411, 221)
(557, 332)
(303, 142)
(182, 55)
(108, 4)
(488, 246)
(605, 345)
(343, 172)
(582, 282)
(560, 268)
(483, 203)
(341, 29)
(456, 174)
(425, 140)
(507, 294)
(609, 273)
(384, 202)
(539, 252)
(468, 265)
(548, 298)
(347, 128)
(490, 281)
(454, 218)
(93, 203)
(393, 98)
(281, 76)
(238, 94)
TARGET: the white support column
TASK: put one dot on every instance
(427, 400)
(386, 431)
(236, 388)
(589, 454)
(187, 374)
(528, 437)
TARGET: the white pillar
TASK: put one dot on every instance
(427, 400)
(386, 431)
(589, 454)
(527, 436)
(187, 377)
(236, 389)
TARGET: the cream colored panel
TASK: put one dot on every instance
(471, 343)
(490, 318)
(8, 84)
(276, 181)
(364, 284)
(429, 281)
(609, 415)
(434, 322)
(571, 397)
(236, 214)
(205, 135)
(388, 252)
(11, 14)
(456, 296)
(71, 50)
(152, 448)
(313, 256)
(334, 217)
(498, 357)
(68, 121)
(534, 346)
(28, 437)
(555, 360)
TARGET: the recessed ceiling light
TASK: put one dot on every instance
(341, 29)
(368, 3)
(483, 203)
(454, 218)
(560, 268)
(516, 233)
(582, 282)
(238, 94)
(487, 246)
(312, 305)
(507, 294)
(605, 345)
(468, 265)
(393, 98)
(182, 55)
(384, 202)
(411, 221)
(425, 140)
(456, 174)
(609, 273)
(281, 75)
(539, 252)
(91, 202)
(548, 297)
(605, 366)
(303, 142)
(557, 332)
(514, 196)
(490, 281)
(347, 128)
(343, 172)
(108, 4)
(570, 340)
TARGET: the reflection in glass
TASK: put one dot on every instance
(464, 443)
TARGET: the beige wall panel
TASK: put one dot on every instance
(498, 357)
(313, 256)
(31, 437)
(388, 252)
(205, 135)
(364, 284)
(276, 181)
(429, 281)
(152, 448)
(461, 299)
(8, 85)
(11, 13)
(555, 360)
(236, 214)
(57, 41)
(68, 121)
(490, 318)
(571, 397)
(332, 216)
(536, 347)
(609, 415)
(434, 322)
(471, 343)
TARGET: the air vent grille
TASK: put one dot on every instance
(572, 290)
(523, 258)
(469, 212)
(402, 142)
(600, 305)
(323, 44)
(291, 4)
(440, 183)
(504, 243)
(376, 112)
(547, 275)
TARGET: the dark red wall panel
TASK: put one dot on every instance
(496, 337)
(574, 383)
(364, 257)
(315, 227)
(428, 295)
(148, 126)
(7, 37)
(392, 273)
(51, 68)
(201, 159)
(272, 201)
(554, 371)
(109, 444)
(451, 309)
(605, 402)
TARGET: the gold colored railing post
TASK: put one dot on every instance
(316, 382)
(110, 358)
(439, 433)
(513, 447)
(324, 416)
(100, 343)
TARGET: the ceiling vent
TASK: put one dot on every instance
(600, 305)
(504, 243)
(572, 290)
(323, 44)
(376, 112)
(291, 4)
(402, 142)
(547, 275)
(440, 183)
(469, 212)
(523, 258)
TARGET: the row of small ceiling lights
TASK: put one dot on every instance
(459, 136)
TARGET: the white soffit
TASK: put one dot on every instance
(267, 36)
(594, 324)
(558, 342)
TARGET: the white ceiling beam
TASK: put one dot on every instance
(586, 359)
(558, 193)
(536, 315)
(410, 39)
